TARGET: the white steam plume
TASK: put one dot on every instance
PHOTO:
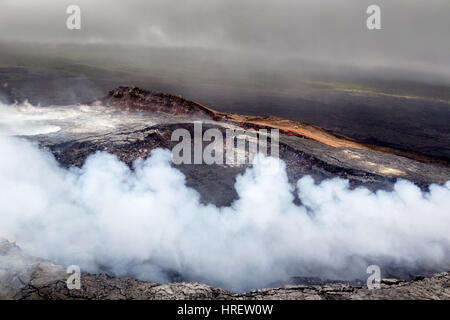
(142, 222)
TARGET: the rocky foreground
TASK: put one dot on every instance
(23, 277)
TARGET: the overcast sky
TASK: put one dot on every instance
(415, 32)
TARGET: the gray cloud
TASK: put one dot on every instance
(414, 31)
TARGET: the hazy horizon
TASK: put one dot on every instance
(327, 34)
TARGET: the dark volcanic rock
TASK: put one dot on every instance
(137, 99)
(35, 279)
(150, 118)
(302, 157)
